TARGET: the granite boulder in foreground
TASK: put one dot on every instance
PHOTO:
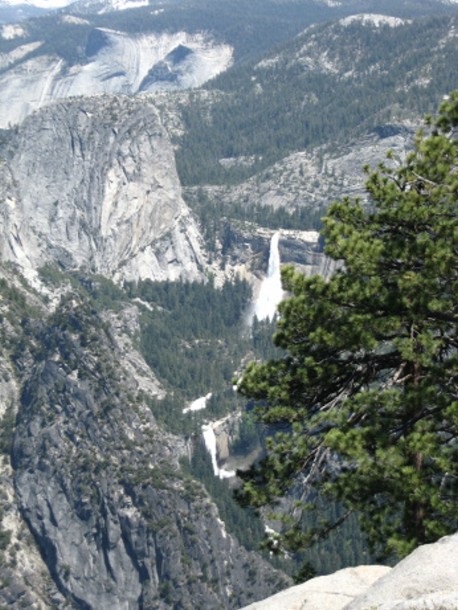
(331, 592)
(427, 579)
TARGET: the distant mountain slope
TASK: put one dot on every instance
(304, 183)
(116, 63)
(100, 46)
(332, 82)
(12, 12)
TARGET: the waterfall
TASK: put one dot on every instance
(198, 404)
(210, 443)
(271, 291)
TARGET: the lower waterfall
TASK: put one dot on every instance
(210, 443)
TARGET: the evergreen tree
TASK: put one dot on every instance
(363, 406)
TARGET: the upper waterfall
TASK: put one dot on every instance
(271, 291)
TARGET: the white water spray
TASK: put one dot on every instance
(271, 291)
(210, 443)
(198, 404)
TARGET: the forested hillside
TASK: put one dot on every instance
(331, 83)
(251, 28)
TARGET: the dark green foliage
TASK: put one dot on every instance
(17, 313)
(169, 410)
(270, 110)
(52, 275)
(343, 547)
(241, 522)
(364, 404)
(7, 430)
(191, 336)
(250, 436)
(5, 539)
(216, 218)
(10, 294)
(198, 310)
(262, 331)
(102, 292)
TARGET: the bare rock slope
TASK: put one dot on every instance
(84, 467)
(425, 580)
(330, 592)
(91, 183)
(114, 62)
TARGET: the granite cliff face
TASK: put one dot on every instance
(92, 184)
(117, 522)
(111, 62)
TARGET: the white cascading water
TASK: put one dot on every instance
(198, 404)
(210, 443)
(271, 291)
(265, 307)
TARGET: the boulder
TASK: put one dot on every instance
(427, 579)
(331, 592)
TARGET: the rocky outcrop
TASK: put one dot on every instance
(98, 483)
(425, 580)
(244, 249)
(92, 184)
(312, 179)
(324, 592)
(23, 574)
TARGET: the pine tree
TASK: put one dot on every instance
(363, 406)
